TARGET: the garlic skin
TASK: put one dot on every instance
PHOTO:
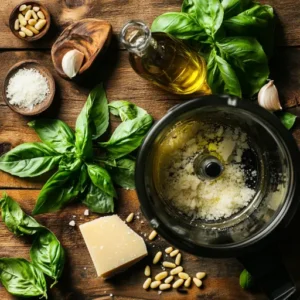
(268, 97)
(72, 62)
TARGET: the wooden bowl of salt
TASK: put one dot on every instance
(28, 88)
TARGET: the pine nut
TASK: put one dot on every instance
(28, 7)
(147, 283)
(200, 275)
(178, 259)
(161, 275)
(22, 7)
(155, 284)
(31, 28)
(32, 22)
(173, 253)
(177, 283)
(168, 264)
(164, 286)
(36, 8)
(40, 15)
(152, 235)
(169, 279)
(17, 25)
(187, 283)
(176, 270)
(40, 24)
(27, 31)
(197, 281)
(147, 271)
(22, 34)
(183, 275)
(28, 15)
(22, 20)
(169, 250)
(130, 218)
(34, 15)
(157, 257)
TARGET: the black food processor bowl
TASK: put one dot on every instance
(267, 160)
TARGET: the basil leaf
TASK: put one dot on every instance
(55, 134)
(15, 219)
(123, 173)
(98, 201)
(209, 15)
(128, 136)
(70, 163)
(126, 110)
(248, 60)
(101, 179)
(234, 7)
(221, 77)
(29, 160)
(179, 25)
(188, 6)
(60, 189)
(21, 278)
(48, 255)
(83, 179)
(246, 280)
(287, 119)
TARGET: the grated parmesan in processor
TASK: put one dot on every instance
(27, 88)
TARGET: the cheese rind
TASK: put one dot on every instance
(113, 245)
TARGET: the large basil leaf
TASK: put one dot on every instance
(60, 189)
(249, 61)
(126, 110)
(98, 201)
(29, 160)
(15, 219)
(48, 255)
(234, 7)
(179, 24)
(287, 119)
(101, 179)
(128, 136)
(123, 173)
(21, 278)
(55, 133)
(221, 77)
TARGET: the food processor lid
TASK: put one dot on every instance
(253, 225)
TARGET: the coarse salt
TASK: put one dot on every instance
(27, 88)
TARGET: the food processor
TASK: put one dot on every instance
(249, 233)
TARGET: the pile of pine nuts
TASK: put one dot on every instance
(30, 21)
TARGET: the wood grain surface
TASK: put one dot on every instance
(79, 280)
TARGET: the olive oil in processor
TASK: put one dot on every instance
(164, 60)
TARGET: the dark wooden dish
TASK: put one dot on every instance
(39, 108)
(89, 36)
(14, 16)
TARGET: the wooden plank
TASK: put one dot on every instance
(79, 279)
(118, 12)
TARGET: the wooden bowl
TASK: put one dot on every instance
(89, 36)
(39, 108)
(14, 15)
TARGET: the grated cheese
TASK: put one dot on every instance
(27, 88)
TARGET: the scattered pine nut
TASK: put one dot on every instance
(164, 286)
(152, 235)
(176, 270)
(147, 283)
(178, 259)
(157, 257)
(169, 279)
(177, 283)
(161, 275)
(147, 271)
(187, 283)
(36, 8)
(155, 284)
(169, 250)
(197, 281)
(130, 218)
(183, 275)
(200, 275)
(173, 253)
(168, 264)
(22, 7)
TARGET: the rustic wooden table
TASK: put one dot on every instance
(79, 280)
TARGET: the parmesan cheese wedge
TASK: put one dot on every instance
(113, 245)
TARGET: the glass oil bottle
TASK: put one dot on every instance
(164, 60)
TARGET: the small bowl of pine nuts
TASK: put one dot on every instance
(29, 21)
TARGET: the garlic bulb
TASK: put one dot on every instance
(72, 62)
(268, 97)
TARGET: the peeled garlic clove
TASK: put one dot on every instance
(268, 97)
(72, 62)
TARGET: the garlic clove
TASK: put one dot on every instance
(72, 62)
(268, 97)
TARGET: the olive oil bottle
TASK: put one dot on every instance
(164, 60)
